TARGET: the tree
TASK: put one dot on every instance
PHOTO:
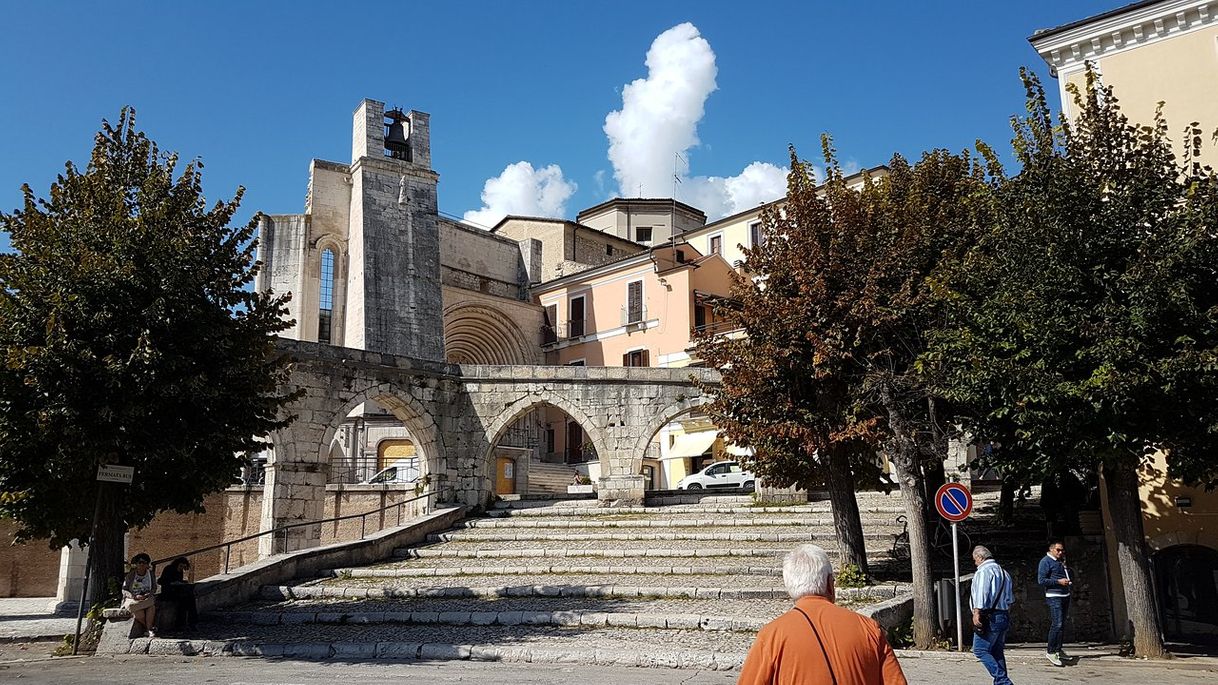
(131, 336)
(778, 396)
(835, 321)
(1085, 332)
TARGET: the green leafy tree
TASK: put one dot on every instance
(1086, 318)
(131, 337)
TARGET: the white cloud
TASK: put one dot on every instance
(523, 190)
(659, 120)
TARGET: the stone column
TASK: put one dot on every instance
(71, 576)
(294, 493)
(621, 490)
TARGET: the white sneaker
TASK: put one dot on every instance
(1054, 659)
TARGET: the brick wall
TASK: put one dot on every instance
(231, 514)
(358, 499)
(26, 570)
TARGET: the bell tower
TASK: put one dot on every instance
(394, 299)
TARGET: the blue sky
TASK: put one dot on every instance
(257, 89)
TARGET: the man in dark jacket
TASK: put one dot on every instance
(1054, 577)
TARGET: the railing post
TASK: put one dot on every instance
(228, 551)
(362, 520)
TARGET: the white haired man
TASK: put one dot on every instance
(992, 597)
(816, 641)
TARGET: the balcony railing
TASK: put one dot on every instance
(715, 328)
(566, 330)
(633, 315)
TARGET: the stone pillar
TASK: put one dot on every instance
(957, 461)
(71, 576)
(295, 492)
(621, 490)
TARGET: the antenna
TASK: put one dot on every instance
(676, 172)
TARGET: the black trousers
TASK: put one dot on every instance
(182, 595)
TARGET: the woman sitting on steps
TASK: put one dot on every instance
(139, 595)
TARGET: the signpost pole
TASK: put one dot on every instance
(84, 588)
(956, 587)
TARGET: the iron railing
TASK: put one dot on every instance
(227, 545)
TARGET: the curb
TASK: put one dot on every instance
(541, 536)
(413, 651)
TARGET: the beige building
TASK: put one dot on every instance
(647, 221)
(1151, 52)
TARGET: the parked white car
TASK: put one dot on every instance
(721, 474)
(400, 472)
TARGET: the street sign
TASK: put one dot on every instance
(115, 474)
(954, 502)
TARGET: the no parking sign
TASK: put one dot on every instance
(954, 502)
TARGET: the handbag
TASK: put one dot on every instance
(988, 612)
(828, 664)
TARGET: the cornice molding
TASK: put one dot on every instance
(1067, 52)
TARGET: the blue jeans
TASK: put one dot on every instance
(989, 648)
(1058, 608)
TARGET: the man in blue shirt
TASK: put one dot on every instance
(992, 597)
(1054, 577)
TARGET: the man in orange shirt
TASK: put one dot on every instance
(818, 642)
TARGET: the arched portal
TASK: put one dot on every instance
(476, 333)
(681, 440)
(1186, 583)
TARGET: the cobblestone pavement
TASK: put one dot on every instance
(232, 671)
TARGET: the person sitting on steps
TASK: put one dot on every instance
(139, 595)
(177, 586)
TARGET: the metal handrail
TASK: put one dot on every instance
(228, 544)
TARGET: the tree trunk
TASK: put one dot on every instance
(1121, 480)
(106, 559)
(934, 476)
(847, 525)
(904, 457)
(1006, 501)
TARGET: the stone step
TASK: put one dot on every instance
(348, 590)
(691, 535)
(466, 571)
(617, 552)
(559, 522)
(686, 649)
(753, 602)
(716, 510)
(569, 618)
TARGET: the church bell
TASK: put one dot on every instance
(397, 134)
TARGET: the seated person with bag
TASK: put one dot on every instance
(178, 588)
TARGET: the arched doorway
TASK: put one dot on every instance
(540, 445)
(1186, 584)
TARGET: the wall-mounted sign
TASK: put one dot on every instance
(1183, 502)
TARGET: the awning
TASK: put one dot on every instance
(739, 451)
(692, 444)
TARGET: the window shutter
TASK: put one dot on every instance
(626, 359)
(646, 355)
(634, 302)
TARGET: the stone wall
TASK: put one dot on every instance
(231, 514)
(1090, 616)
(344, 500)
(26, 570)
(478, 260)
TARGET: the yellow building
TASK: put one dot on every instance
(1151, 52)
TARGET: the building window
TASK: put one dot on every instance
(756, 237)
(325, 300)
(550, 441)
(636, 358)
(699, 317)
(549, 334)
(575, 317)
(634, 302)
(577, 362)
(716, 244)
(642, 234)
(608, 250)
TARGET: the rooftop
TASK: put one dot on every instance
(1045, 33)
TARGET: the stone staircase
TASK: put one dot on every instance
(547, 478)
(556, 581)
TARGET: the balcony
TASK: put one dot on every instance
(572, 329)
(713, 328)
(634, 316)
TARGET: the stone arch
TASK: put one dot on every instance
(535, 399)
(407, 409)
(662, 418)
(476, 333)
